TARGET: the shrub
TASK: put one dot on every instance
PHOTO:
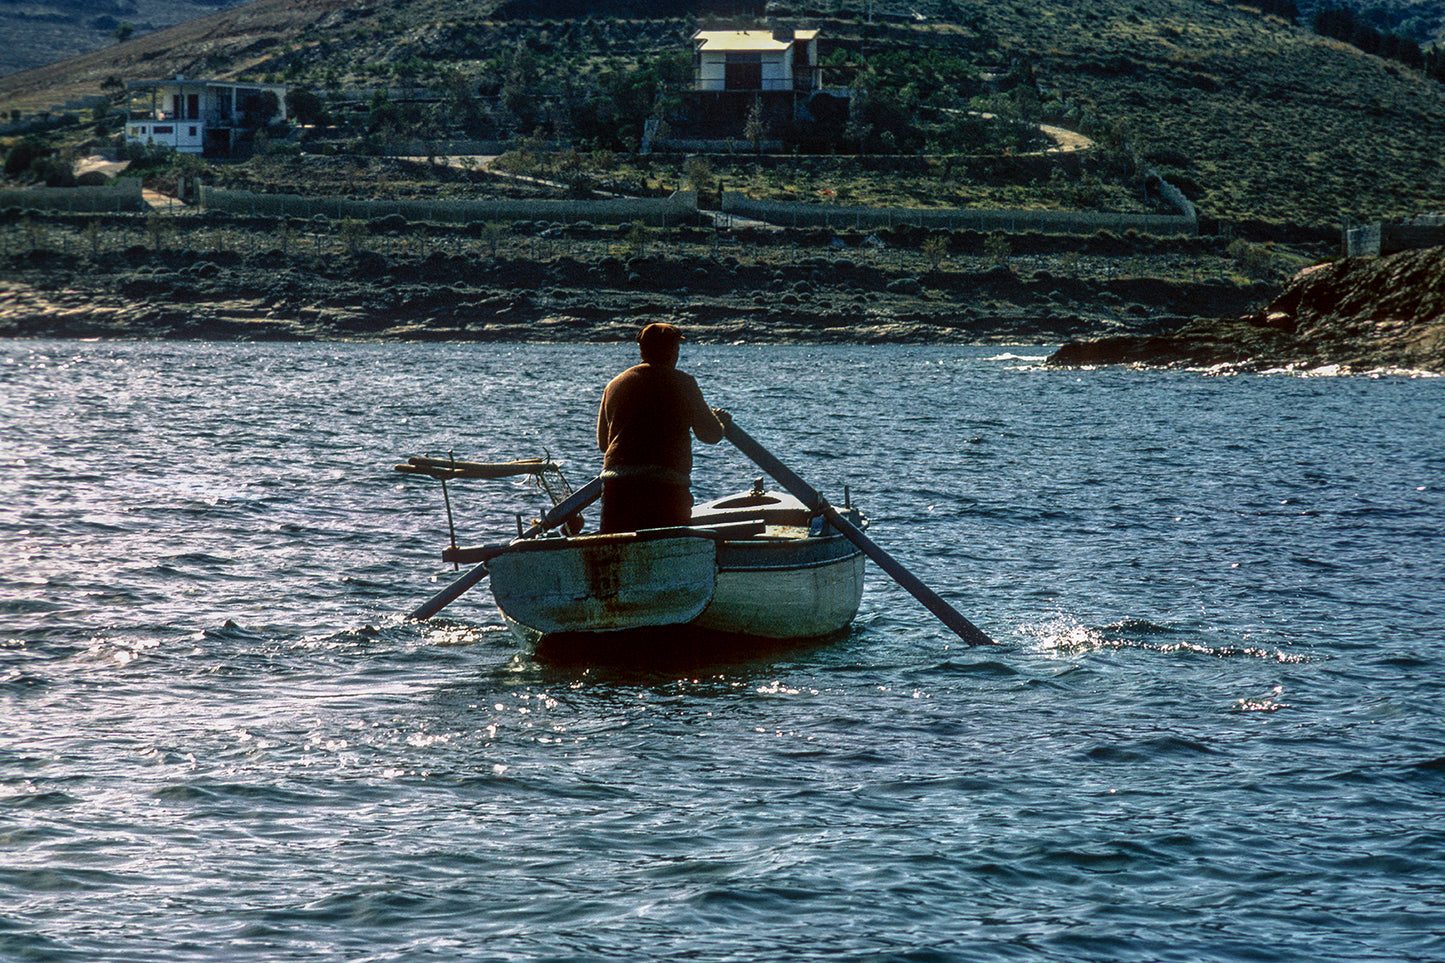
(1254, 260)
(699, 174)
(19, 158)
(998, 249)
(639, 235)
(352, 233)
(934, 247)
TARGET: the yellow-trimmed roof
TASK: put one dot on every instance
(748, 39)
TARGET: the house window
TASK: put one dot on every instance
(744, 71)
(193, 132)
(166, 129)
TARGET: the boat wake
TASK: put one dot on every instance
(1024, 360)
(1063, 635)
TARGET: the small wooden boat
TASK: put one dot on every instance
(768, 565)
(757, 564)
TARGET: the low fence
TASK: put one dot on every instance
(797, 214)
(1391, 237)
(679, 208)
(454, 148)
(123, 195)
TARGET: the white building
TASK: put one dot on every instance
(200, 116)
(757, 60)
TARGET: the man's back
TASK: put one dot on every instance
(644, 427)
(646, 416)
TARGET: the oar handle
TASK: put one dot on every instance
(810, 497)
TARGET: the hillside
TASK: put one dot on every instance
(1256, 119)
(1420, 20)
(41, 32)
(224, 44)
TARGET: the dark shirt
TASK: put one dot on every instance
(646, 416)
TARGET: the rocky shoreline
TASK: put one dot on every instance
(795, 287)
(1357, 314)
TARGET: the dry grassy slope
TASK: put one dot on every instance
(40, 32)
(1256, 118)
(1271, 121)
(220, 44)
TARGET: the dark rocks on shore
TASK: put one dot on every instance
(1358, 313)
(785, 287)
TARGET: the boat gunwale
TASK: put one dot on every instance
(793, 567)
(600, 539)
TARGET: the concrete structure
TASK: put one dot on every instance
(781, 59)
(1380, 238)
(200, 116)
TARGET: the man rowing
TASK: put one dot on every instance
(644, 427)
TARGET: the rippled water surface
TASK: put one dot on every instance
(1211, 729)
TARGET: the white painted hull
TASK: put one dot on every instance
(779, 583)
(604, 583)
(786, 597)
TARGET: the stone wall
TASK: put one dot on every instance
(679, 208)
(122, 195)
(843, 217)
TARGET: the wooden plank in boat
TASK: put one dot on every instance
(472, 554)
(446, 469)
(771, 508)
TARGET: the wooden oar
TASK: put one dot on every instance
(577, 501)
(446, 469)
(809, 496)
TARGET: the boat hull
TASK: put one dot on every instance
(797, 588)
(604, 583)
(757, 565)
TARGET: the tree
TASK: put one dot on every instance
(879, 118)
(23, 155)
(462, 106)
(100, 114)
(305, 107)
(113, 88)
(755, 128)
(611, 110)
(124, 32)
(519, 90)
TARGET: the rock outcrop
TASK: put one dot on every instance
(1357, 313)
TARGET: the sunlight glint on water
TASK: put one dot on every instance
(1212, 729)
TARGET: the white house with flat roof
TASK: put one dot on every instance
(200, 116)
(781, 59)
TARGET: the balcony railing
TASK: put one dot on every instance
(210, 118)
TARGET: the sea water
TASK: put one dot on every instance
(1212, 727)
